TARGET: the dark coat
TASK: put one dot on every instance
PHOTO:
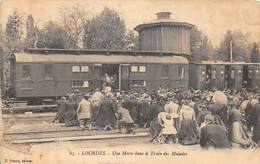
(61, 111)
(71, 118)
(256, 123)
(219, 111)
(143, 111)
(130, 105)
(215, 136)
(106, 115)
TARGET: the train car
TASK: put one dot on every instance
(39, 74)
(224, 75)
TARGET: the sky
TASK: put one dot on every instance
(213, 17)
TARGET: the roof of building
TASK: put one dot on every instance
(99, 58)
(163, 19)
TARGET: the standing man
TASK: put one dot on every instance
(83, 111)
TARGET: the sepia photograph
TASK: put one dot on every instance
(130, 81)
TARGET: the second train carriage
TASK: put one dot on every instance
(224, 75)
(39, 75)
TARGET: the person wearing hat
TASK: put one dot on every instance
(96, 101)
(167, 130)
(84, 110)
(202, 112)
(60, 117)
(213, 135)
(172, 108)
(106, 116)
(188, 134)
(238, 134)
(124, 119)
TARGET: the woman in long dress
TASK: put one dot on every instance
(168, 131)
(188, 134)
(238, 134)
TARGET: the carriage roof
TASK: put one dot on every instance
(99, 58)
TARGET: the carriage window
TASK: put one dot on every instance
(138, 83)
(213, 75)
(256, 71)
(203, 73)
(181, 72)
(135, 68)
(84, 68)
(165, 70)
(239, 73)
(232, 75)
(141, 68)
(48, 71)
(76, 68)
(80, 83)
(26, 72)
(222, 74)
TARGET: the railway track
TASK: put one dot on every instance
(38, 128)
(31, 108)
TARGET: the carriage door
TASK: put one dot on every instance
(208, 76)
(227, 76)
(213, 78)
(124, 72)
(97, 76)
(250, 77)
(239, 78)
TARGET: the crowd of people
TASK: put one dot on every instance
(213, 119)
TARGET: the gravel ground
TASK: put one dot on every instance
(123, 151)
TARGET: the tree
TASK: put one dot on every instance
(105, 31)
(31, 33)
(131, 41)
(13, 32)
(201, 46)
(241, 46)
(255, 53)
(73, 20)
(52, 36)
(1, 37)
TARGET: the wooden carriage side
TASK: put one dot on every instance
(50, 75)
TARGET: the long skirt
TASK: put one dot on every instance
(239, 135)
(188, 134)
(155, 128)
(94, 112)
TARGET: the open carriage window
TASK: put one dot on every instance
(80, 83)
(80, 68)
(138, 83)
(26, 72)
(139, 68)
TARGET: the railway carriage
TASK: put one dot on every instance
(221, 75)
(39, 74)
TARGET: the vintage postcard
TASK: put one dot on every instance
(130, 81)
